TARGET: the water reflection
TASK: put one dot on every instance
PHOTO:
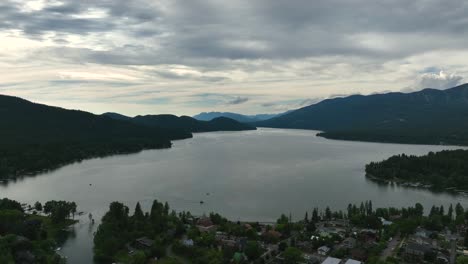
(251, 175)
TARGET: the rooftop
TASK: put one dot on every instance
(331, 260)
(352, 261)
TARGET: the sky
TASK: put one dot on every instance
(247, 56)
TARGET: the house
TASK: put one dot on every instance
(359, 254)
(204, 224)
(422, 240)
(204, 221)
(331, 260)
(323, 250)
(229, 243)
(272, 235)
(311, 259)
(385, 222)
(144, 243)
(416, 251)
(188, 242)
(349, 243)
(421, 232)
(329, 231)
(352, 261)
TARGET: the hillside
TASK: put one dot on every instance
(208, 116)
(425, 117)
(186, 123)
(35, 137)
(440, 170)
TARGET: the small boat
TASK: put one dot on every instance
(202, 202)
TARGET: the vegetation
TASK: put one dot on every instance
(185, 123)
(425, 117)
(118, 231)
(29, 238)
(35, 137)
(441, 170)
(117, 236)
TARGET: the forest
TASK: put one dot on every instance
(36, 138)
(440, 170)
(31, 234)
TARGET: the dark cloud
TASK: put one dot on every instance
(238, 100)
(200, 29)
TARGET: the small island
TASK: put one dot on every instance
(444, 170)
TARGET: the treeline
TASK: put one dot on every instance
(118, 229)
(441, 170)
(31, 238)
(25, 159)
(35, 138)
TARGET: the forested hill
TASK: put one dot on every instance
(35, 137)
(208, 116)
(425, 117)
(185, 123)
(445, 169)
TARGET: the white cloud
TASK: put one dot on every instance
(436, 80)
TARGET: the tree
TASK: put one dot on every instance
(315, 215)
(310, 227)
(292, 255)
(282, 246)
(328, 213)
(38, 206)
(462, 260)
(138, 258)
(419, 209)
(138, 215)
(252, 250)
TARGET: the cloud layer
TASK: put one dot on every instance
(183, 57)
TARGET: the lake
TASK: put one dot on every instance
(250, 175)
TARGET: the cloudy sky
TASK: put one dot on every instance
(247, 56)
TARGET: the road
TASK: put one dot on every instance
(392, 245)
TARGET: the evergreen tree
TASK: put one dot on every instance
(138, 212)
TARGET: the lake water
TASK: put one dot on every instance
(251, 175)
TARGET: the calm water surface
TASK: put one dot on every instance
(252, 175)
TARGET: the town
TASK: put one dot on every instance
(359, 235)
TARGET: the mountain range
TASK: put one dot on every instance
(184, 123)
(429, 116)
(208, 116)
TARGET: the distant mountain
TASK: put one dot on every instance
(36, 137)
(185, 123)
(429, 116)
(207, 116)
